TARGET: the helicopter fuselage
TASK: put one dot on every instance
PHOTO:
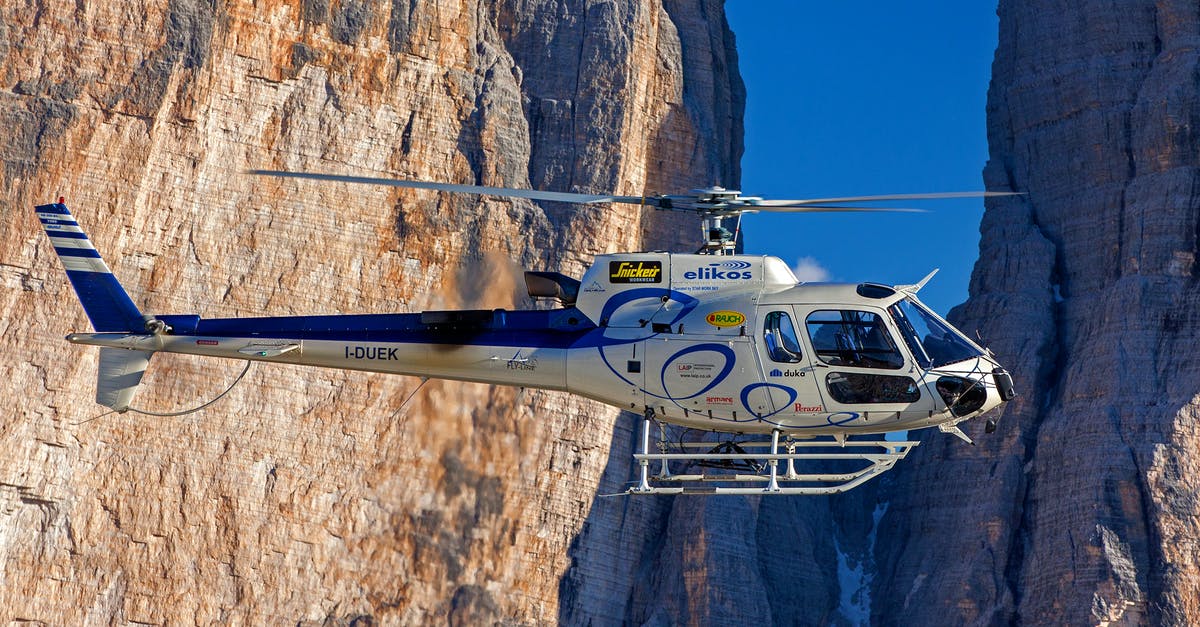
(721, 343)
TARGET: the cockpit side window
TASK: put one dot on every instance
(779, 335)
(858, 339)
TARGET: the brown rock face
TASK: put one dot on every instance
(1083, 508)
(320, 496)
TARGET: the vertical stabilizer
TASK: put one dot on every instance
(107, 305)
(105, 301)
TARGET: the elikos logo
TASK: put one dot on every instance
(725, 318)
(726, 270)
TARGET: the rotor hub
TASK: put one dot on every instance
(715, 195)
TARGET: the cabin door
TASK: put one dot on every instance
(787, 368)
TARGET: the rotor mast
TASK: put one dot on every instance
(716, 205)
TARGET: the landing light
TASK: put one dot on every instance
(962, 396)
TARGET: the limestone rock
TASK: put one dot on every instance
(311, 496)
(1081, 509)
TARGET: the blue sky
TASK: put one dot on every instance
(852, 98)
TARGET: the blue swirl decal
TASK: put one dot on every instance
(598, 340)
(734, 265)
(852, 416)
(628, 296)
(829, 420)
(754, 386)
(725, 352)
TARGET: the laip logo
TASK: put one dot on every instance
(724, 271)
(725, 318)
(694, 371)
(635, 272)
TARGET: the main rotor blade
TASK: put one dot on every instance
(884, 198)
(830, 209)
(531, 194)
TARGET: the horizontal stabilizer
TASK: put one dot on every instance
(118, 376)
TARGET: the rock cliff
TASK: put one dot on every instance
(311, 496)
(1083, 507)
(327, 497)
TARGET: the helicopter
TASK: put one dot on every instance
(772, 372)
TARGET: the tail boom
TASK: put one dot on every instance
(519, 348)
(543, 368)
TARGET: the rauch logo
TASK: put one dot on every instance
(725, 318)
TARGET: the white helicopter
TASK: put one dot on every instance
(722, 343)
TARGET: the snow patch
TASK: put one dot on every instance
(855, 574)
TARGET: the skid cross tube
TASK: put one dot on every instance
(878, 456)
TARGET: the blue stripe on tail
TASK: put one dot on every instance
(77, 252)
(105, 301)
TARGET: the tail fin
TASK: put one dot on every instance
(118, 376)
(105, 301)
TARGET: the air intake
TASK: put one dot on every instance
(552, 285)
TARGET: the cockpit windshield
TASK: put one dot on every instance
(933, 342)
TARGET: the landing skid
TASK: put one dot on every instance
(759, 459)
